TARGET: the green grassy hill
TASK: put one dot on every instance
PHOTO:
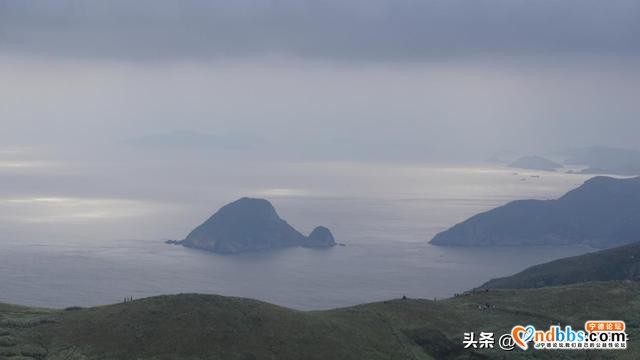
(214, 327)
(620, 263)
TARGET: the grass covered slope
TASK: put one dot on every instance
(215, 327)
(620, 263)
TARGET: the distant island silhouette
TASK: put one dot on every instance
(535, 163)
(606, 160)
(249, 224)
(603, 212)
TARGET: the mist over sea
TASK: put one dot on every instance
(97, 238)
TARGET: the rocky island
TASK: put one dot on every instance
(603, 212)
(249, 224)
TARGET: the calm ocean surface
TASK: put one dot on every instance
(61, 249)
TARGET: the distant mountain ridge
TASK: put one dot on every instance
(620, 263)
(250, 224)
(603, 212)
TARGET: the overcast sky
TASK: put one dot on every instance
(367, 80)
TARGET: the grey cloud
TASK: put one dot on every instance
(190, 139)
(333, 29)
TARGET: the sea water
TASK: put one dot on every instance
(92, 245)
